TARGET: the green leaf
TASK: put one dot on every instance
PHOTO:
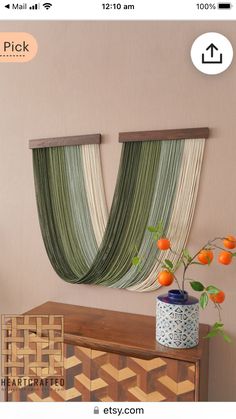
(160, 227)
(197, 286)
(233, 254)
(226, 338)
(187, 255)
(196, 263)
(211, 289)
(203, 300)
(217, 325)
(136, 261)
(217, 330)
(156, 237)
(211, 334)
(169, 264)
(152, 229)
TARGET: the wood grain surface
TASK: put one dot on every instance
(65, 141)
(118, 332)
(169, 134)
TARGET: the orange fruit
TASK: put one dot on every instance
(163, 243)
(230, 242)
(225, 258)
(218, 298)
(205, 256)
(165, 278)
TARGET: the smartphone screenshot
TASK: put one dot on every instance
(117, 215)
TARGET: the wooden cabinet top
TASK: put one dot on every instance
(114, 331)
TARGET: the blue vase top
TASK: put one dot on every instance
(178, 297)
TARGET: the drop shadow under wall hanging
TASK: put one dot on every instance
(158, 179)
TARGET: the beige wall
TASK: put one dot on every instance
(111, 77)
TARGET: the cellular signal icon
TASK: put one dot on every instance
(35, 6)
(47, 5)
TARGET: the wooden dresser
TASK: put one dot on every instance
(113, 356)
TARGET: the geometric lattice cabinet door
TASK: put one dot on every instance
(122, 378)
(91, 375)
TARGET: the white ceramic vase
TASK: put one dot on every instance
(177, 320)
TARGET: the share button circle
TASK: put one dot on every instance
(212, 53)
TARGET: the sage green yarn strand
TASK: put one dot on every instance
(63, 215)
(163, 198)
(182, 210)
(81, 223)
(119, 215)
(137, 196)
(43, 188)
(68, 240)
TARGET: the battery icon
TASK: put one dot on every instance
(224, 5)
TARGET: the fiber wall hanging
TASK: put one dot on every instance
(157, 180)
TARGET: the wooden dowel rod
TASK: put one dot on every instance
(65, 141)
(169, 134)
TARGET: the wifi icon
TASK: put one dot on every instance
(47, 5)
